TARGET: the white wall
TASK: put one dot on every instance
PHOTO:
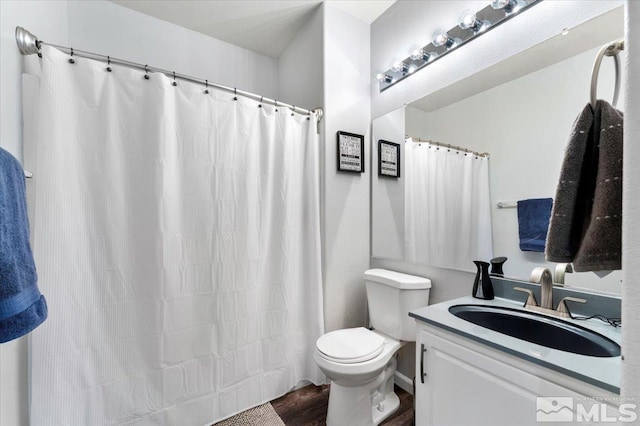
(300, 67)
(525, 125)
(631, 205)
(110, 29)
(346, 195)
(48, 18)
(104, 27)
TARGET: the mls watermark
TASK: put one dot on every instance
(581, 410)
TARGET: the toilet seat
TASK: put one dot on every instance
(350, 346)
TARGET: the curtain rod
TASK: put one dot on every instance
(449, 146)
(28, 44)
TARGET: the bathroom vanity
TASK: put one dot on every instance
(468, 374)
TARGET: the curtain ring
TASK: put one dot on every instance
(293, 110)
(206, 87)
(276, 101)
(108, 63)
(174, 79)
(309, 115)
(146, 73)
(260, 103)
(71, 60)
(235, 94)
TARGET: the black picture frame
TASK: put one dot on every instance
(350, 152)
(388, 159)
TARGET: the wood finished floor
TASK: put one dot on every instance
(308, 407)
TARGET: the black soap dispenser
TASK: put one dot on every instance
(496, 266)
(482, 287)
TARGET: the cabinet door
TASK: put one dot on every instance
(462, 386)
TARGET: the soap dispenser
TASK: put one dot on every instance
(496, 266)
(482, 287)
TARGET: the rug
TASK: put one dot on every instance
(262, 415)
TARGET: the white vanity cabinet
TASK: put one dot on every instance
(469, 383)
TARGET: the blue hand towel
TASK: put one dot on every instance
(533, 223)
(22, 307)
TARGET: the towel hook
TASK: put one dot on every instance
(611, 49)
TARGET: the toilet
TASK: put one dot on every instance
(360, 362)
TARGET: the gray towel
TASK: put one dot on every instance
(586, 221)
(22, 307)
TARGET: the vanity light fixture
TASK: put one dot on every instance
(470, 25)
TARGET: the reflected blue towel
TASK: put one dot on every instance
(533, 223)
(22, 307)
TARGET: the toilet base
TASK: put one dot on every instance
(367, 404)
(389, 406)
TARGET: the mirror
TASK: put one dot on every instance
(521, 112)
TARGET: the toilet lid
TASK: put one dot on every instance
(350, 345)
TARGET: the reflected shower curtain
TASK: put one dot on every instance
(177, 238)
(447, 207)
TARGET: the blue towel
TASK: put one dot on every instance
(533, 223)
(22, 307)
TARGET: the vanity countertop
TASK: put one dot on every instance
(601, 372)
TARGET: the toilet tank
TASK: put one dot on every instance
(391, 295)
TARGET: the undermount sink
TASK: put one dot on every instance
(540, 329)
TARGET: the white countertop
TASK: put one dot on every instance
(601, 372)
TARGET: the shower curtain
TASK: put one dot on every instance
(447, 207)
(177, 240)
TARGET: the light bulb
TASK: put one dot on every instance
(509, 6)
(421, 55)
(416, 54)
(500, 4)
(469, 20)
(441, 38)
(400, 66)
(384, 77)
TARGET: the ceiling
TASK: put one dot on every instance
(263, 26)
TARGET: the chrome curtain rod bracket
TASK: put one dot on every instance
(29, 44)
(611, 49)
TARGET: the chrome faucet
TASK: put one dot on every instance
(545, 279)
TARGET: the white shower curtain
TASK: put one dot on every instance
(177, 240)
(447, 207)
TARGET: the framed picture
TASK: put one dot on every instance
(388, 159)
(350, 152)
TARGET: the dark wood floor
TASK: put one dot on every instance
(308, 407)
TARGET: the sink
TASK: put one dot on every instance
(538, 329)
